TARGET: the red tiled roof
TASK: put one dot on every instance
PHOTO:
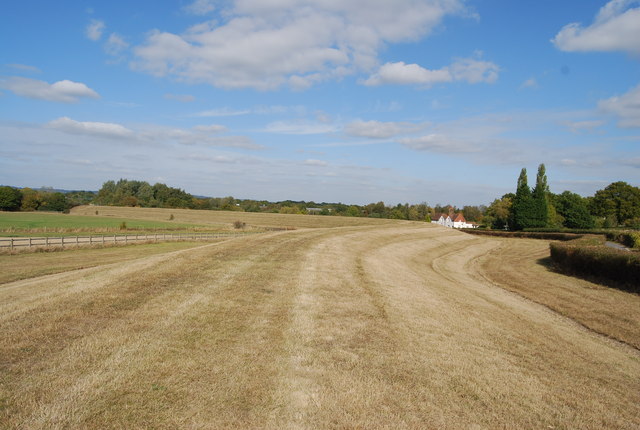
(459, 218)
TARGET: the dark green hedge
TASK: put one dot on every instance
(627, 238)
(581, 257)
(524, 234)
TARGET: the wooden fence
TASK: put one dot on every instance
(66, 241)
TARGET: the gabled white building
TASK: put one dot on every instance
(452, 221)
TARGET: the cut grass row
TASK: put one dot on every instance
(31, 265)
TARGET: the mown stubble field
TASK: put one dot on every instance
(397, 325)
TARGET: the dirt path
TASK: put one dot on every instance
(393, 326)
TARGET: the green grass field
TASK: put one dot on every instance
(43, 224)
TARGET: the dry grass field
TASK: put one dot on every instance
(393, 325)
(227, 218)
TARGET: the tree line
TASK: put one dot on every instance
(616, 205)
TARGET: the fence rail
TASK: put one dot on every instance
(64, 241)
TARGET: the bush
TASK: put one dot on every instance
(584, 257)
(524, 234)
(239, 224)
(123, 225)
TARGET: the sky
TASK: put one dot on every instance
(352, 101)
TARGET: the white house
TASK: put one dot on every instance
(452, 221)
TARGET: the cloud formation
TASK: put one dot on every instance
(115, 45)
(300, 127)
(95, 29)
(265, 45)
(616, 27)
(96, 129)
(184, 98)
(626, 107)
(379, 129)
(469, 70)
(202, 135)
(64, 91)
(200, 7)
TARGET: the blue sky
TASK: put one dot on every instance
(437, 101)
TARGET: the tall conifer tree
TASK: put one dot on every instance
(522, 209)
(540, 214)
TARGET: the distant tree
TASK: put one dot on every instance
(473, 213)
(498, 214)
(353, 211)
(617, 203)
(106, 194)
(10, 198)
(54, 202)
(77, 198)
(31, 199)
(523, 208)
(290, 210)
(573, 209)
(130, 201)
(540, 211)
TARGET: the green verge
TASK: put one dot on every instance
(588, 256)
(43, 224)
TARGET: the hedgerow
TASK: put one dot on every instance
(627, 238)
(525, 234)
(589, 257)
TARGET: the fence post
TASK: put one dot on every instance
(46, 241)
(11, 243)
(29, 242)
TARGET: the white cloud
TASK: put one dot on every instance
(95, 29)
(615, 28)
(115, 45)
(474, 71)
(626, 107)
(213, 128)
(265, 45)
(314, 162)
(439, 143)
(380, 130)
(407, 74)
(463, 69)
(222, 112)
(25, 68)
(62, 91)
(299, 127)
(184, 98)
(584, 126)
(155, 135)
(200, 7)
(529, 83)
(97, 129)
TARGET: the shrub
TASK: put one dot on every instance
(524, 234)
(587, 257)
(123, 225)
(239, 224)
